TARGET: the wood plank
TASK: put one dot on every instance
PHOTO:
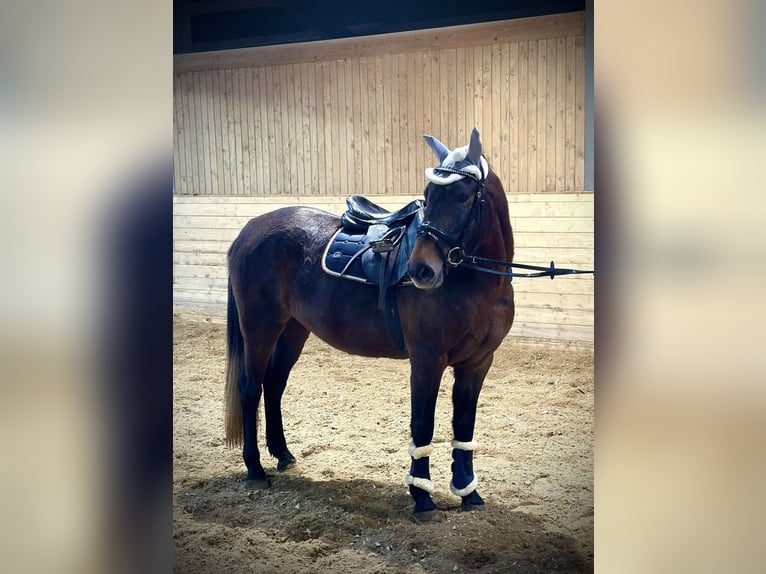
(211, 102)
(379, 45)
(543, 239)
(552, 209)
(364, 119)
(400, 124)
(435, 98)
(487, 107)
(532, 130)
(374, 110)
(199, 159)
(478, 91)
(238, 129)
(468, 90)
(220, 145)
(421, 120)
(552, 224)
(461, 130)
(523, 118)
(259, 149)
(393, 119)
(356, 106)
(579, 121)
(380, 123)
(196, 233)
(342, 142)
(199, 259)
(330, 148)
(550, 316)
(575, 258)
(424, 104)
(298, 180)
(348, 116)
(199, 296)
(388, 95)
(542, 108)
(320, 150)
(294, 148)
(561, 61)
(245, 106)
(449, 84)
(199, 86)
(555, 301)
(413, 132)
(179, 144)
(281, 161)
(191, 157)
(569, 332)
(214, 271)
(498, 150)
(577, 284)
(569, 115)
(550, 113)
(198, 246)
(511, 134)
(304, 113)
(501, 96)
(230, 157)
(268, 122)
(209, 284)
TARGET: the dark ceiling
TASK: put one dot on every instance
(201, 25)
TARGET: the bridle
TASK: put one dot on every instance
(456, 252)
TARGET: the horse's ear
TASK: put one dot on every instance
(437, 147)
(474, 148)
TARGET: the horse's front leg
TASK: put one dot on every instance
(425, 378)
(465, 396)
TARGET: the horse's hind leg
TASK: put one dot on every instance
(286, 353)
(465, 396)
(259, 343)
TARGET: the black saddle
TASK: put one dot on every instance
(373, 246)
(362, 213)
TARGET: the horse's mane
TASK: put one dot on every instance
(499, 205)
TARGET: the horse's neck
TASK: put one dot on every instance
(498, 242)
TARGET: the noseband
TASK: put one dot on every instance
(456, 253)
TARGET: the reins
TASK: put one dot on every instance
(475, 263)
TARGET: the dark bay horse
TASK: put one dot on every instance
(453, 316)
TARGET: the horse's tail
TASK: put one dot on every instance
(235, 361)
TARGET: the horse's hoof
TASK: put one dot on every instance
(283, 465)
(257, 483)
(427, 516)
(472, 502)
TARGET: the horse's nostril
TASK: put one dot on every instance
(425, 273)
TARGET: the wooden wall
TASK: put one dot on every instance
(346, 116)
(557, 226)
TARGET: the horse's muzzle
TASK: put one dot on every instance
(426, 269)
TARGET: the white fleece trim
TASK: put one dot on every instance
(417, 452)
(470, 445)
(466, 490)
(453, 177)
(421, 483)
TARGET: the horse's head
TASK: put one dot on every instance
(452, 213)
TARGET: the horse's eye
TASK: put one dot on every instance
(462, 197)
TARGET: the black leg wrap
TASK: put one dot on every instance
(463, 479)
(420, 469)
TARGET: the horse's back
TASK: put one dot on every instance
(285, 225)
